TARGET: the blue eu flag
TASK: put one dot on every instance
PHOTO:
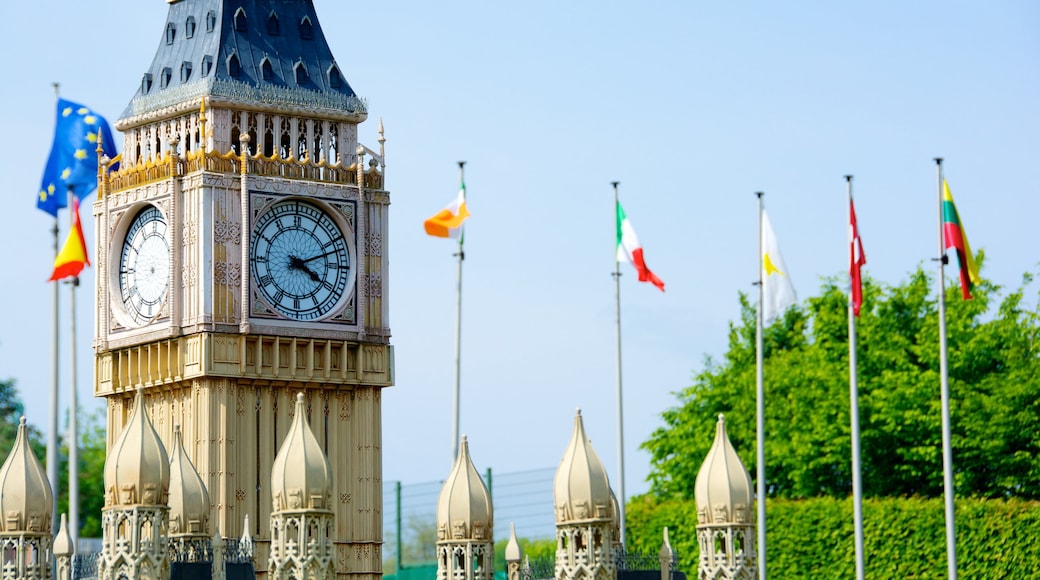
(73, 161)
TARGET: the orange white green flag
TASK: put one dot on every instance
(447, 223)
(629, 250)
(955, 237)
(777, 290)
(72, 258)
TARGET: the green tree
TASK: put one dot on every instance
(994, 383)
(11, 412)
(91, 460)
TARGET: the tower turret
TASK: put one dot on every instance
(465, 522)
(301, 522)
(585, 512)
(25, 512)
(136, 515)
(243, 257)
(189, 498)
(725, 524)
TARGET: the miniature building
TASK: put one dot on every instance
(242, 258)
(465, 524)
(585, 513)
(136, 516)
(302, 523)
(725, 522)
(25, 513)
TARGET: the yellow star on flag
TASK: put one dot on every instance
(66, 111)
(65, 174)
(92, 137)
(770, 267)
(80, 154)
(83, 110)
(90, 120)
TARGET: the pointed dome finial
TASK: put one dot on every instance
(723, 489)
(513, 552)
(189, 498)
(581, 488)
(464, 508)
(137, 470)
(25, 492)
(63, 541)
(301, 478)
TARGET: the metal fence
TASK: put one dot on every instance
(523, 498)
(630, 564)
(188, 558)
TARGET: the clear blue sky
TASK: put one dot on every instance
(692, 106)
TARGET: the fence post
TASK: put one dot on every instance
(217, 545)
(400, 543)
(666, 556)
(62, 549)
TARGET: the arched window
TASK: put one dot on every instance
(146, 83)
(273, 28)
(211, 21)
(267, 71)
(300, 72)
(335, 79)
(306, 28)
(240, 20)
(171, 32)
(234, 68)
(189, 27)
(185, 71)
(207, 65)
(268, 143)
(164, 78)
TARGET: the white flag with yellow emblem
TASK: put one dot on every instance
(777, 291)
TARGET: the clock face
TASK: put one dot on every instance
(144, 266)
(300, 260)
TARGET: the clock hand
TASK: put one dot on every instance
(301, 265)
(319, 256)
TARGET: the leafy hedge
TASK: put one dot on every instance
(904, 538)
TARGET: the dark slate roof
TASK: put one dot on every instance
(278, 46)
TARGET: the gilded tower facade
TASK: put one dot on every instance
(242, 259)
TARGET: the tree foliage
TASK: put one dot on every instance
(91, 470)
(903, 537)
(994, 377)
(11, 412)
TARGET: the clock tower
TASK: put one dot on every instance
(242, 259)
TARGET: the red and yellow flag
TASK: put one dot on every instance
(955, 237)
(72, 258)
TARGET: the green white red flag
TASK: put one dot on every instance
(629, 250)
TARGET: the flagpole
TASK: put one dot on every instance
(857, 485)
(461, 255)
(760, 474)
(73, 437)
(944, 382)
(620, 403)
(52, 432)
